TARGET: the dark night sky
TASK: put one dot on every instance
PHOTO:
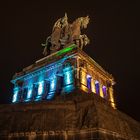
(113, 31)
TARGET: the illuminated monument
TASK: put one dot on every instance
(65, 68)
(66, 95)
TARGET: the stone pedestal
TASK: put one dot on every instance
(70, 118)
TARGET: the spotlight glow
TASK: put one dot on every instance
(104, 91)
(68, 77)
(40, 87)
(29, 94)
(53, 84)
(15, 95)
(89, 82)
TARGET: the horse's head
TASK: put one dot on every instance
(84, 21)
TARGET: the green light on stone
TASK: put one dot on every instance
(67, 49)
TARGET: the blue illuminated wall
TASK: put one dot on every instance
(68, 79)
(52, 88)
(44, 83)
(15, 95)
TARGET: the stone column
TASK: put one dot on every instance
(77, 74)
(101, 90)
(83, 79)
(77, 68)
(93, 85)
(16, 95)
(111, 97)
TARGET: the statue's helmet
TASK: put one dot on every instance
(64, 20)
(85, 21)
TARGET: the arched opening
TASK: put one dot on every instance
(104, 89)
(89, 82)
(97, 87)
(52, 88)
(68, 78)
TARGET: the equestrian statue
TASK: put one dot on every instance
(64, 34)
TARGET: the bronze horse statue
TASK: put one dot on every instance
(76, 27)
(64, 34)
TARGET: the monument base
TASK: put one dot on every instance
(76, 117)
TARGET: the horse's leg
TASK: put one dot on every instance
(82, 43)
(45, 51)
